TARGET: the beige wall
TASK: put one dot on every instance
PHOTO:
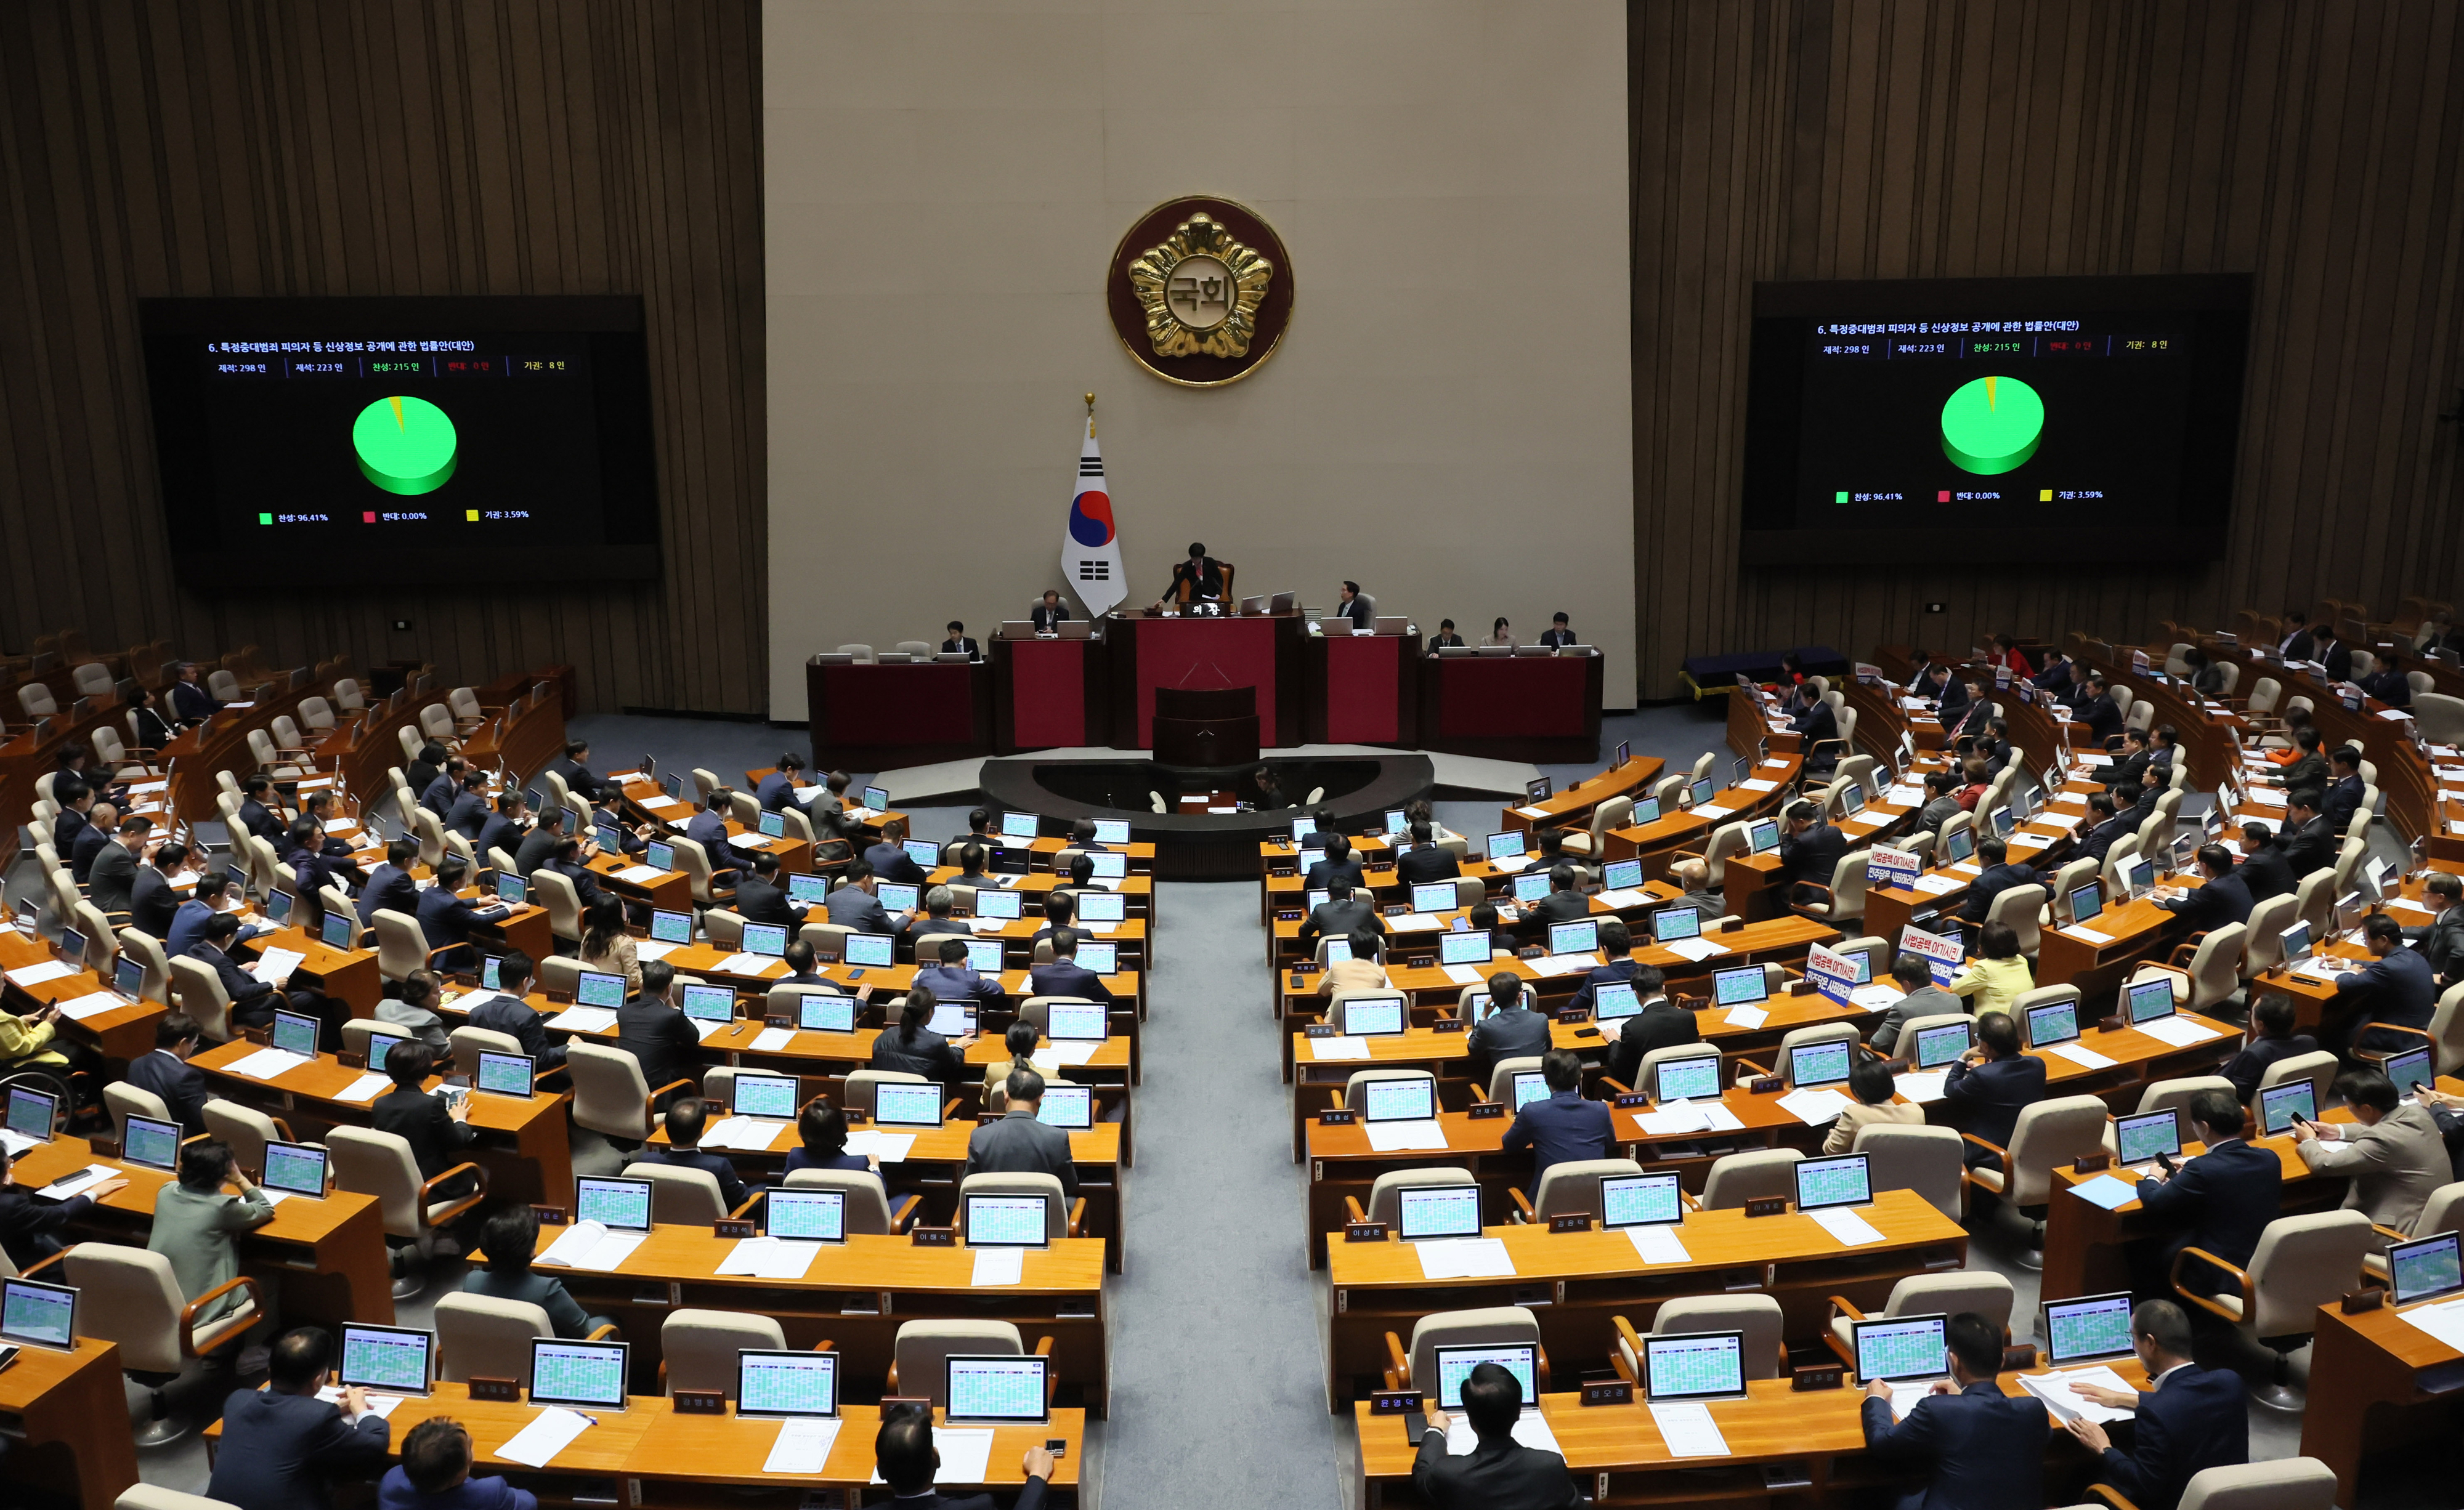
(1448, 420)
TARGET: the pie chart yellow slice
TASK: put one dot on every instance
(406, 445)
(1992, 425)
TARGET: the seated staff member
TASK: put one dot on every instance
(957, 643)
(411, 1004)
(97, 836)
(1501, 1473)
(1872, 1093)
(112, 878)
(2310, 840)
(1813, 722)
(1445, 638)
(708, 829)
(506, 827)
(2105, 826)
(1015, 1143)
(1058, 910)
(2390, 683)
(1991, 1085)
(1425, 859)
(282, 1445)
(2188, 1419)
(436, 1131)
(822, 1135)
(575, 772)
(1562, 1127)
(2395, 991)
(939, 902)
(196, 1226)
(1982, 1450)
(509, 1239)
(2273, 1019)
(853, 903)
(1942, 802)
(2346, 787)
(1565, 902)
(1500, 632)
(256, 809)
(686, 1118)
(434, 1474)
(777, 791)
(1511, 1030)
(1354, 609)
(1560, 632)
(2303, 763)
(954, 979)
(912, 1045)
(2219, 1203)
(1997, 974)
(469, 813)
(2442, 942)
(190, 701)
(508, 1013)
(1661, 1024)
(1922, 999)
(209, 896)
(1048, 616)
(2392, 1153)
(567, 857)
(1694, 877)
(2220, 898)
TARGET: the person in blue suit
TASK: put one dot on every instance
(434, 1474)
(503, 828)
(708, 829)
(470, 811)
(777, 791)
(2219, 1202)
(446, 920)
(281, 1444)
(251, 1001)
(1616, 947)
(1813, 722)
(1983, 1450)
(1064, 976)
(1564, 1127)
(1995, 875)
(2190, 1419)
(685, 1121)
(391, 888)
(1992, 1082)
(2397, 991)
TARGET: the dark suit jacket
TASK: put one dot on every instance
(112, 879)
(2103, 720)
(1065, 978)
(513, 1017)
(2343, 800)
(469, 814)
(776, 791)
(1660, 1025)
(730, 1187)
(259, 819)
(1811, 856)
(1043, 619)
(1560, 1129)
(1357, 613)
(2391, 688)
(662, 1038)
(1816, 723)
(1209, 578)
(957, 983)
(1991, 883)
(2312, 847)
(927, 1054)
(963, 643)
(278, 1449)
(2396, 989)
(1954, 700)
(420, 1120)
(892, 862)
(437, 796)
(761, 901)
(1993, 1092)
(2098, 841)
(1987, 1449)
(1015, 1143)
(246, 992)
(578, 778)
(1610, 973)
(91, 843)
(1340, 919)
(2220, 1201)
(1501, 1474)
(2196, 1420)
(2247, 1068)
(2339, 661)
(1325, 871)
(1029, 1498)
(2125, 772)
(535, 849)
(191, 702)
(181, 1085)
(2224, 900)
(1557, 907)
(31, 1228)
(498, 832)
(446, 919)
(394, 1492)
(390, 888)
(153, 903)
(710, 831)
(2264, 873)
(67, 829)
(1517, 1033)
(1413, 867)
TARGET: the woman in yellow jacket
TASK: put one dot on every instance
(1999, 975)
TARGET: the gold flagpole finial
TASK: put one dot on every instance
(1090, 414)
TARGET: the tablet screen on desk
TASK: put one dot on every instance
(294, 1033)
(1078, 1019)
(1622, 875)
(1902, 1347)
(822, 1012)
(706, 1003)
(2140, 876)
(769, 939)
(1530, 1085)
(659, 855)
(1007, 1387)
(2148, 999)
(1434, 896)
(1365, 1017)
(505, 1074)
(1641, 1200)
(2425, 1268)
(1116, 830)
(1743, 985)
(1303, 828)
(1702, 791)
(805, 1216)
(1471, 948)
(39, 1315)
(1646, 810)
(1437, 1212)
(1688, 1077)
(395, 1359)
(994, 903)
(2409, 1069)
(1105, 958)
(772, 825)
(150, 1143)
(2001, 820)
(802, 890)
(294, 1168)
(1694, 1366)
(1505, 846)
(1020, 826)
(1069, 1107)
(952, 1019)
(869, 949)
(904, 1104)
(2091, 1326)
(595, 988)
(676, 928)
(2087, 902)
(1530, 888)
(1842, 1180)
(765, 1095)
(2279, 1106)
(33, 1113)
(1761, 835)
(2054, 1022)
(786, 1384)
(1008, 1221)
(1102, 907)
(1397, 822)
(587, 1374)
(1957, 844)
(1579, 936)
(619, 1205)
(1937, 1046)
(2141, 1136)
(1109, 865)
(894, 896)
(1614, 1000)
(2296, 943)
(335, 930)
(1402, 1098)
(984, 955)
(1671, 923)
(1826, 1062)
(1455, 1365)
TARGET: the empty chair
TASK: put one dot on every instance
(923, 1347)
(1979, 1290)
(610, 1095)
(148, 1497)
(1926, 1160)
(243, 1129)
(482, 1336)
(1612, 814)
(1569, 1187)
(1736, 1178)
(2300, 1264)
(1762, 1350)
(2318, 1068)
(697, 1348)
(2263, 935)
(380, 1164)
(2059, 1130)
(402, 945)
(869, 1207)
(1416, 1367)
(131, 1296)
(2283, 1484)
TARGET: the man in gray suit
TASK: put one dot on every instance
(2394, 1158)
(111, 880)
(1923, 999)
(855, 906)
(1017, 1143)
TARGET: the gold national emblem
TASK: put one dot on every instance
(1202, 290)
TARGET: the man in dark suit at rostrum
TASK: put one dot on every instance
(1203, 572)
(1015, 1143)
(959, 644)
(1426, 860)
(1048, 615)
(1339, 916)
(1499, 1473)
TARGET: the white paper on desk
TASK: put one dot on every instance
(1658, 1244)
(275, 965)
(1338, 1047)
(1099, 930)
(2266, 795)
(17, 1142)
(1530, 1430)
(83, 1181)
(265, 1064)
(768, 1258)
(1936, 886)
(37, 975)
(1395, 1137)
(2086, 935)
(2444, 1320)
(1873, 999)
(770, 1040)
(1905, 1397)
(1464, 975)
(2407, 905)
(549, 1433)
(1852, 1230)
(704, 1027)
(1466, 1259)
(1688, 1427)
(2394, 715)
(639, 875)
(336, 825)
(2069, 799)
(1723, 1120)
(1674, 1119)
(1924, 1086)
(1758, 784)
(889, 1148)
(368, 1088)
(999, 1267)
(2106, 1191)
(1511, 864)
(645, 951)
(93, 1003)
(590, 1245)
(585, 1019)
(660, 804)
(1530, 812)
(2178, 1031)
(1813, 1107)
(802, 1445)
(379, 1405)
(1560, 965)
(1621, 898)
(1909, 796)
(1415, 923)
(740, 1132)
(2066, 1405)
(1069, 1052)
(742, 964)
(1697, 949)
(2323, 969)
(1747, 1017)
(2083, 1056)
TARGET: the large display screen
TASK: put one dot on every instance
(1970, 419)
(404, 440)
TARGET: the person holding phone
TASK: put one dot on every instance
(2391, 1155)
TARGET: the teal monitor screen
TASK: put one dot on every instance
(1842, 1180)
(2091, 1326)
(786, 1384)
(38, 1314)
(394, 1360)
(1938, 1047)
(1008, 1221)
(2140, 1138)
(1621, 875)
(1456, 1364)
(805, 1216)
(1694, 1366)
(1465, 948)
(676, 928)
(1408, 1098)
(1691, 1076)
(765, 1095)
(1902, 1348)
(583, 1375)
(2149, 1000)
(2279, 1107)
(1641, 1200)
(1614, 1000)
(599, 990)
(1068, 1107)
(2425, 1268)
(150, 1143)
(820, 1012)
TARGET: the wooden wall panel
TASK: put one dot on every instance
(2318, 147)
(280, 147)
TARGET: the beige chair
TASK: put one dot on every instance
(1728, 838)
(1386, 1190)
(2282, 1483)
(560, 973)
(1763, 1351)
(468, 1043)
(358, 1030)
(1614, 813)
(1416, 1367)
(1979, 1290)
(2027, 1002)
(693, 861)
(725, 928)
(1356, 1089)
(2263, 935)
(1736, 1178)
(1061, 1217)
(125, 1101)
(2318, 1068)
(556, 892)
(130, 1296)
(1926, 1160)
(697, 1348)
(2300, 1264)
(2068, 879)
(868, 1208)
(402, 947)
(2021, 908)
(2174, 1096)
(380, 1164)
(610, 1095)
(147, 950)
(680, 1196)
(1569, 1187)
(859, 1083)
(923, 1347)
(1500, 1076)
(2442, 1212)
(243, 1129)
(481, 1336)
(198, 992)
(1819, 1033)
(2061, 1130)
(1843, 900)
(147, 1497)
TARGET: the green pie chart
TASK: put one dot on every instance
(1991, 425)
(405, 446)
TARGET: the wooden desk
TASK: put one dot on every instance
(669, 889)
(1549, 704)
(675, 1460)
(1586, 1277)
(528, 1154)
(857, 1294)
(328, 1257)
(1037, 886)
(2376, 1380)
(2083, 1241)
(68, 1416)
(1421, 936)
(121, 1035)
(351, 976)
(1572, 807)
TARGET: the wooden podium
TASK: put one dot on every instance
(1206, 726)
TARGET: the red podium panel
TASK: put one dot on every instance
(876, 717)
(1047, 693)
(1206, 653)
(1364, 692)
(1513, 707)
